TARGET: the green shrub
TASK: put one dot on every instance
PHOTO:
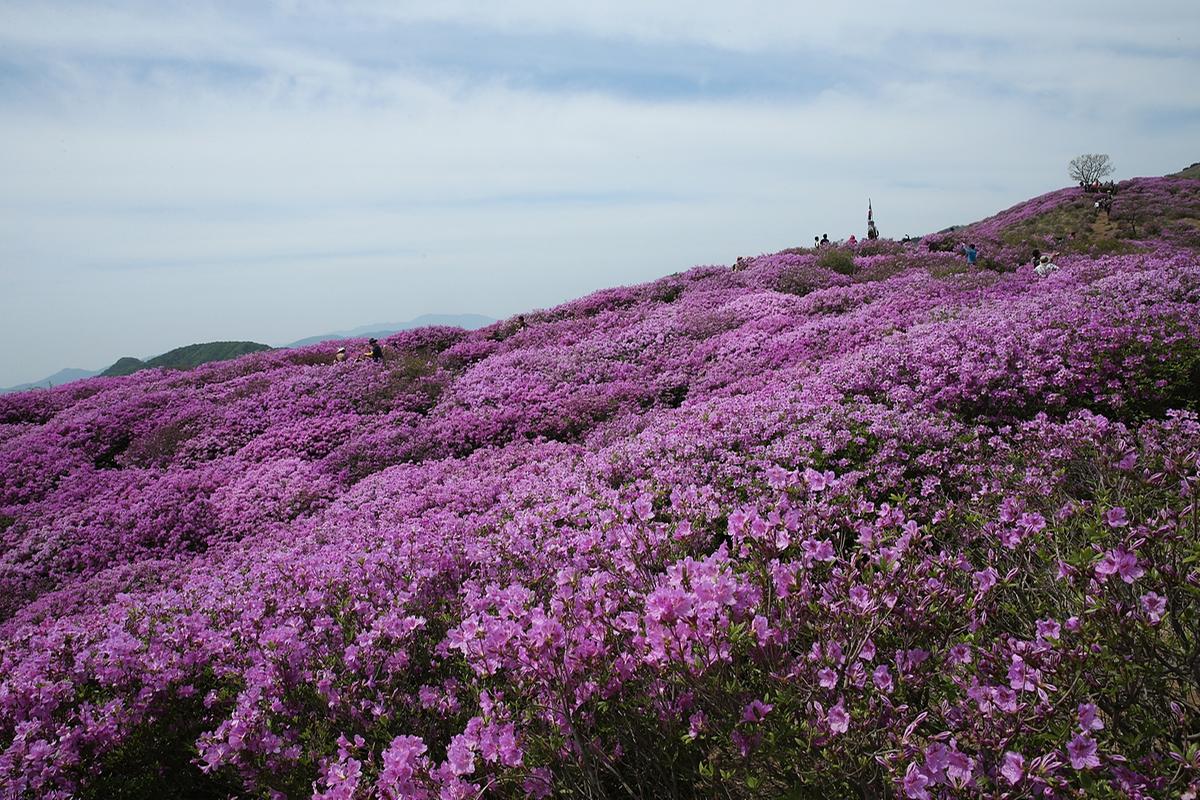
(837, 260)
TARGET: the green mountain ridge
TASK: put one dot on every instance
(187, 357)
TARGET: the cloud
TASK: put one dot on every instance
(305, 166)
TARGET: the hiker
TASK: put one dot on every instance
(1037, 254)
(374, 351)
(740, 264)
(852, 241)
(816, 242)
(971, 253)
(1045, 266)
(872, 231)
(340, 356)
(825, 240)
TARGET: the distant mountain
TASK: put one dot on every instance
(192, 355)
(380, 329)
(57, 379)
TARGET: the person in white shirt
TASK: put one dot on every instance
(1045, 266)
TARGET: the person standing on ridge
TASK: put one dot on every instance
(971, 253)
(872, 231)
(824, 240)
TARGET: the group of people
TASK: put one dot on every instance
(374, 352)
(1043, 263)
(1108, 187)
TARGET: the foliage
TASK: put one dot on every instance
(923, 531)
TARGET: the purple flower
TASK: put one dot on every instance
(756, 711)
(1116, 517)
(1048, 629)
(818, 481)
(1082, 752)
(839, 720)
(915, 782)
(1118, 562)
(1088, 719)
(959, 654)
(1013, 768)
(460, 755)
(827, 678)
(1155, 607)
(883, 678)
(1021, 676)
(985, 579)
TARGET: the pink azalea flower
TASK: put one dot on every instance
(1116, 517)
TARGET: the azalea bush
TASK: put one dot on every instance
(920, 531)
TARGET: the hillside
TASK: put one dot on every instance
(845, 523)
(381, 329)
(1145, 212)
(187, 357)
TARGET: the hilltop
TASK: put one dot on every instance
(186, 357)
(851, 522)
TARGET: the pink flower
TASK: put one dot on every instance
(1082, 752)
(959, 654)
(860, 597)
(867, 651)
(827, 678)
(1013, 768)
(839, 720)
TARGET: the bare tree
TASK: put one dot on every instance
(1090, 167)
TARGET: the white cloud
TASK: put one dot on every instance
(146, 176)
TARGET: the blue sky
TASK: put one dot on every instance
(179, 172)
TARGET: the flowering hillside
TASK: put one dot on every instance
(911, 531)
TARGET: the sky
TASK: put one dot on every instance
(178, 172)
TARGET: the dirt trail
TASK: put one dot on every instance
(1104, 226)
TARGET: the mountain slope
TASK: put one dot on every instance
(862, 525)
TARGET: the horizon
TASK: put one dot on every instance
(216, 172)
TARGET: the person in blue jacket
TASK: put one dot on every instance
(971, 253)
